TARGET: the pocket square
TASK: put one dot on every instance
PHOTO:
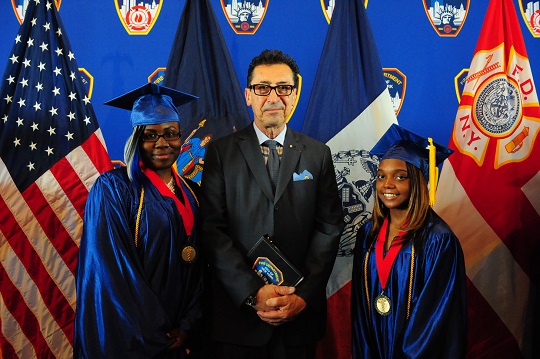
(305, 175)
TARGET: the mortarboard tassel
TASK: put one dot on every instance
(433, 172)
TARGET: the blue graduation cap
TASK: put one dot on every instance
(421, 152)
(152, 104)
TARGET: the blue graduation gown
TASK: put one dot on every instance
(437, 325)
(129, 297)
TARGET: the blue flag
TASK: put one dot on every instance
(51, 151)
(200, 64)
(349, 109)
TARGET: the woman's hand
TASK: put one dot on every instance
(179, 338)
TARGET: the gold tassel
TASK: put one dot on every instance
(433, 172)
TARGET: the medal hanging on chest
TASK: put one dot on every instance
(189, 254)
(383, 304)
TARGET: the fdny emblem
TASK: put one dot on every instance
(245, 17)
(328, 8)
(157, 76)
(530, 10)
(118, 163)
(447, 16)
(138, 18)
(496, 120)
(268, 271)
(459, 83)
(87, 80)
(19, 7)
(396, 82)
(298, 90)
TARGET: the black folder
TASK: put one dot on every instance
(269, 262)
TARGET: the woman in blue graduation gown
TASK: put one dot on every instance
(408, 283)
(139, 280)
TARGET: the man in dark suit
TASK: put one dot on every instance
(301, 211)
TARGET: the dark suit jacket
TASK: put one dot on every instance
(304, 217)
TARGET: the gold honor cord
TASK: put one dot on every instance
(366, 281)
(138, 217)
(188, 253)
(411, 278)
(189, 188)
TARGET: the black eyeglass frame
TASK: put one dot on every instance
(173, 136)
(275, 88)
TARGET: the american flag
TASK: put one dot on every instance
(51, 151)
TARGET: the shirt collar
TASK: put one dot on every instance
(262, 137)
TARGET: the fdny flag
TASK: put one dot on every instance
(489, 190)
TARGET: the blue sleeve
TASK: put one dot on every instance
(437, 326)
(118, 315)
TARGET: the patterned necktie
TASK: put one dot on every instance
(273, 161)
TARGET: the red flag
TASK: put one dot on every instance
(51, 151)
(489, 190)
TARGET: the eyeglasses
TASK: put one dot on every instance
(167, 136)
(265, 90)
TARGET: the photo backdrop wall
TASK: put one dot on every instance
(421, 62)
(425, 48)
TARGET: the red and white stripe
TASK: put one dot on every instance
(40, 233)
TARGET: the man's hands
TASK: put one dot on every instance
(277, 305)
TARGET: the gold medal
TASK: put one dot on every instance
(382, 304)
(189, 254)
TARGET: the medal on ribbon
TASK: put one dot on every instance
(383, 304)
(189, 254)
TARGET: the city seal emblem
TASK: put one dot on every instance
(497, 107)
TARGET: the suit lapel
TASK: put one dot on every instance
(292, 148)
(247, 141)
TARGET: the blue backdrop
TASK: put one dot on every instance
(116, 61)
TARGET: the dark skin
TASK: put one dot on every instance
(393, 187)
(160, 156)
(179, 338)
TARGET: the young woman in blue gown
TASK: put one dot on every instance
(408, 282)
